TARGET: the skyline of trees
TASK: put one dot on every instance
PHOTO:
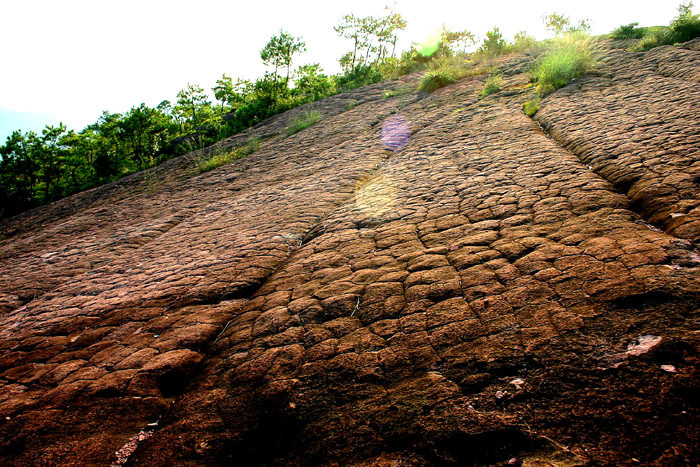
(40, 167)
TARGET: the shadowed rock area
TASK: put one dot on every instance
(498, 289)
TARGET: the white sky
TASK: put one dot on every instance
(67, 60)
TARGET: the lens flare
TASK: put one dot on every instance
(396, 131)
(430, 44)
(375, 196)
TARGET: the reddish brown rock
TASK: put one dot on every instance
(469, 299)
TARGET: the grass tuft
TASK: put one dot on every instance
(568, 57)
(494, 83)
(305, 121)
(436, 79)
(217, 160)
(531, 107)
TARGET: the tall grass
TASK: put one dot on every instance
(436, 79)
(568, 57)
(448, 70)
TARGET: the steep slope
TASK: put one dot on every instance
(486, 292)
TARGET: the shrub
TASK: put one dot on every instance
(305, 121)
(362, 75)
(686, 25)
(493, 84)
(435, 80)
(493, 44)
(217, 160)
(569, 57)
(654, 37)
(531, 107)
(629, 31)
(522, 42)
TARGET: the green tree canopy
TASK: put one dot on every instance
(493, 44)
(370, 36)
(280, 51)
(223, 91)
(192, 106)
(559, 24)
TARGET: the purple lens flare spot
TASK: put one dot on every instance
(396, 131)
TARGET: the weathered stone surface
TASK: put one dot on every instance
(468, 299)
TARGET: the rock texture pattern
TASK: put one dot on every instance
(497, 290)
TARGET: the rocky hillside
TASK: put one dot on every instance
(495, 290)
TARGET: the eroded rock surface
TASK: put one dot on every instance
(487, 293)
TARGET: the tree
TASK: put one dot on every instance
(280, 50)
(105, 137)
(493, 44)
(191, 103)
(18, 173)
(685, 25)
(369, 35)
(311, 82)
(144, 131)
(350, 28)
(385, 30)
(559, 24)
(51, 153)
(223, 91)
(457, 40)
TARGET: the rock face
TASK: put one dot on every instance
(496, 290)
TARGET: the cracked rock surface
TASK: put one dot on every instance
(498, 288)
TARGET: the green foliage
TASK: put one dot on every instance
(531, 107)
(231, 96)
(456, 41)
(352, 103)
(494, 84)
(569, 57)
(280, 50)
(556, 22)
(37, 169)
(372, 38)
(685, 25)
(312, 84)
(493, 44)
(435, 80)
(305, 121)
(217, 160)
(560, 24)
(629, 31)
(143, 131)
(362, 75)
(653, 37)
(522, 42)
(410, 61)
(192, 107)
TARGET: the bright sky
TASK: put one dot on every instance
(68, 60)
